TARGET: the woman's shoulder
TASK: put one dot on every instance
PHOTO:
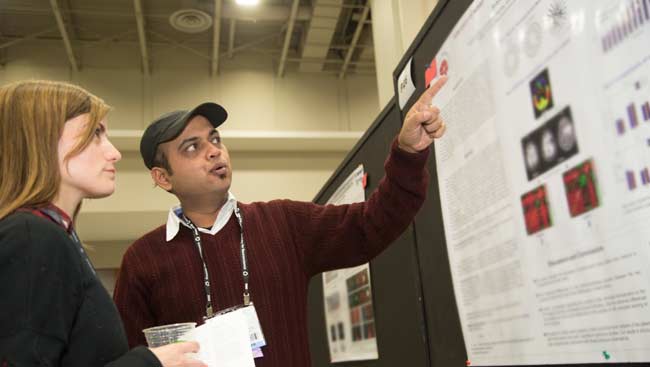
(23, 228)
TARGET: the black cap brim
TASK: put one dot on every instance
(211, 111)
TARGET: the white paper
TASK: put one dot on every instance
(347, 293)
(225, 341)
(544, 181)
(405, 85)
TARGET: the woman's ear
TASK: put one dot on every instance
(160, 177)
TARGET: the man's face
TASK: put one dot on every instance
(199, 161)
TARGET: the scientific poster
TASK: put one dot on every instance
(347, 293)
(544, 179)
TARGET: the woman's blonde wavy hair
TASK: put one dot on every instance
(32, 116)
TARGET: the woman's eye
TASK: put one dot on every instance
(216, 140)
(191, 148)
(98, 132)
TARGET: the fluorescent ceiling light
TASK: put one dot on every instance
(248, 2)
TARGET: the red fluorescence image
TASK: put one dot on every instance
(580, 186)
(536, 211)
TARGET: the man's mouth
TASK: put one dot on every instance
(219, 169)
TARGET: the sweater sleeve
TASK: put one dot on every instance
(131, 297)
(336, 236)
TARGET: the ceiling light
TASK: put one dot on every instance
(248, 2)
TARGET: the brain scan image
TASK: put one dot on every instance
(549, 147)
(566, 134)
(532, 156)
(550, 144)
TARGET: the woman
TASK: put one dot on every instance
(54, 311)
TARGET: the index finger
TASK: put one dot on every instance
(428, 94)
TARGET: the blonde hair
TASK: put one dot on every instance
(32, 116)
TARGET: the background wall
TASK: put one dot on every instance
(300, 106)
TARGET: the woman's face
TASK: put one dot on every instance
(91, 173)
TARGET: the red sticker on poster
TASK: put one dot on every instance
(430, 72)
(444, 67)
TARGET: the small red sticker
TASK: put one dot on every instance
(430, 72)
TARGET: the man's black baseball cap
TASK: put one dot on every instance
(170, 125)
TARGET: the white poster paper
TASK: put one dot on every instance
(347, 293)
(544, 180)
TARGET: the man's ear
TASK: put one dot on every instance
(160, 177)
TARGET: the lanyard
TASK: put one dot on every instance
(206, 277)
(56, 217)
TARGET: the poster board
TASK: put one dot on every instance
(584, 173)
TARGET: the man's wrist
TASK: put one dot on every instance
(406, 148)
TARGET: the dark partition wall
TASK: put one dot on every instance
(417, 318)
(446, 344)
(401, 334)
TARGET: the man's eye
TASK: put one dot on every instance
(216, 140)
(191, 148)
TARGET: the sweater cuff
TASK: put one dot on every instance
(402, 163)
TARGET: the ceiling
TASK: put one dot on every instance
(318, 36)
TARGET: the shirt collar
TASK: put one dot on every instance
(53, 213)
(174, 218)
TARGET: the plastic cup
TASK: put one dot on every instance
(167, 334)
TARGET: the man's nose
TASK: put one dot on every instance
(213, 151)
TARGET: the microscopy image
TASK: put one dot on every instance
(360, 303)
(537, 215)
(580, 187)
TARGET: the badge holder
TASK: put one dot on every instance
(248, 310)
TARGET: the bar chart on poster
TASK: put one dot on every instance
(544, 179)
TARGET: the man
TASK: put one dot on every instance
(194, 265)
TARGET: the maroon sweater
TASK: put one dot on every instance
(287, 242)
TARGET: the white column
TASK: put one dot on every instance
(395, 25)
(413, 14)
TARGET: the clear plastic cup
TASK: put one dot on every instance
(167, 334)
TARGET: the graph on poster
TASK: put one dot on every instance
(634, 15)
